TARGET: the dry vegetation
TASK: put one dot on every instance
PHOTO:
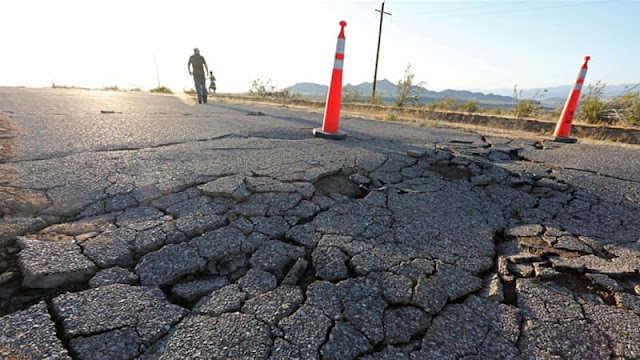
(486, 123)
(616, 119)
(7, 133)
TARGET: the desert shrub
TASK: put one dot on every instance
(261, 88)
(163, 90)
(284, 94)
(447, 103)
(350, 94)
(591, 104)
(375, 100)
(406, 91)
(625, 108)
(526, 108)
(265, 89)
(390, 115)
(470, 107)
(552, 114)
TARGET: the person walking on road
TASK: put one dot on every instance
(212, 84)
(197, 67)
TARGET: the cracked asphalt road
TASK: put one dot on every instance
(136, 226)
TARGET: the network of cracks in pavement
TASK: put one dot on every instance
(453, 252)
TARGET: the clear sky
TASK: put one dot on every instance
(480, 44)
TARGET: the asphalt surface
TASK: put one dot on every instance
(139, 226)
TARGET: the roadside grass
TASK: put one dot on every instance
(505, 124)
(161, 90)
(409, 118)
(116, 88)
(105, 88)
(69, 87)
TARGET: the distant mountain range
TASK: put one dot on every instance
(551, 96)
(387, 90)
(561, 92)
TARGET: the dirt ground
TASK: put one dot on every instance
(7, 133)
(13, 200)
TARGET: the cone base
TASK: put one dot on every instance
(566, 140)
(317, 132)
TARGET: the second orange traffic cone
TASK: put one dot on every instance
(563, 128)
(334, 97)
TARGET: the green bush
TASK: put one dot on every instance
(350, 94)
(621, 110)
(406, 91)
(261, 89)
(391, 115)
(470, 107)
(626, 108)
(264, 89)
(526, 108)
(591, 104)
(376, 100)
(162, 90)
(447, 103)
(285, 94)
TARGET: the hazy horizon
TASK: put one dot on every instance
(610, 90)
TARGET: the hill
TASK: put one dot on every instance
(562, 91)
(387, 91)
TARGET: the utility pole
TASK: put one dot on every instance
(375, 73)
(155, 60)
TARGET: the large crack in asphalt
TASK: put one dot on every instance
(516, 155)
(122, 149)
(342, 243)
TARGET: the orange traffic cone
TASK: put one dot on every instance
(563, 128)
(332, 108)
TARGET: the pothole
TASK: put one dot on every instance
(451, 171)
(339, 184)
(535, 245)
(515, 155)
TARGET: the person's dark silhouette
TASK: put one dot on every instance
(197, 67)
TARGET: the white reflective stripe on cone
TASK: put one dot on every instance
(583, 74)
(340, 47)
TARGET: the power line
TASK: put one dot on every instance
(523, 9)
(483, 6)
